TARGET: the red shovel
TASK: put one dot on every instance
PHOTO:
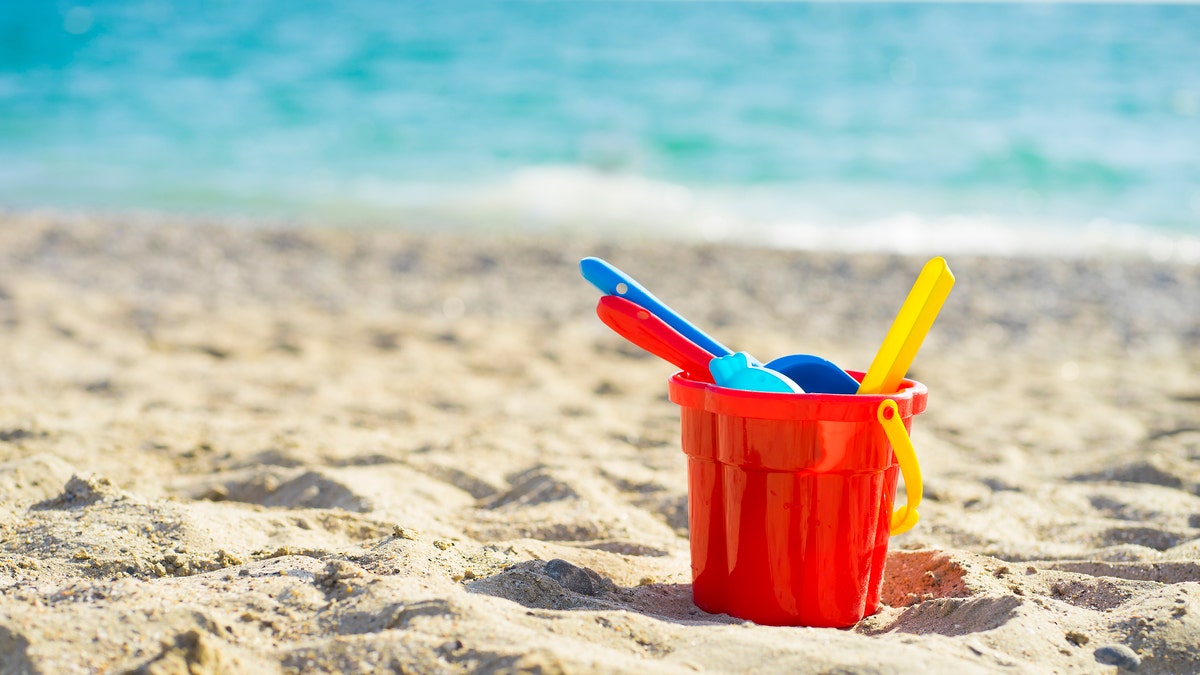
(651, 333)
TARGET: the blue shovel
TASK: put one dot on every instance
(811, 373)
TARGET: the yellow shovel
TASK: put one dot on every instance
(908, 330)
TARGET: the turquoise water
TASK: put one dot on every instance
(979, 126)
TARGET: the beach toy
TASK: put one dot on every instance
(790, 498)
(815, 374)
(612, 281)
(810, 373)
(909, 328)
(737, 371)
(639, 326)
(653, 334)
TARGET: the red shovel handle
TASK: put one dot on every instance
(649, 332)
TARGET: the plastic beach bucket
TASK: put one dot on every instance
(790, 498)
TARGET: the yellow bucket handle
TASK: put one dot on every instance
(906, 516)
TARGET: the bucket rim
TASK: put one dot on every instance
(688, 393)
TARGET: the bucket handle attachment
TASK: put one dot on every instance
(906, 516)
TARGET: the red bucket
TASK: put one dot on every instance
(790, 498)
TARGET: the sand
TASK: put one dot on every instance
(257, 449)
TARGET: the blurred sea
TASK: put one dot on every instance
(1001, 128)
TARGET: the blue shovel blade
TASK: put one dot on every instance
(814, 374)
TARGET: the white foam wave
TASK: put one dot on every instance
(990, 235)
(579, 200)
(563, 198)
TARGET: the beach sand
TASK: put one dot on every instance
(254, 449)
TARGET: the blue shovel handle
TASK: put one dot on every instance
(612, 281)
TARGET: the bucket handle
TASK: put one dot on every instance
(906, 516)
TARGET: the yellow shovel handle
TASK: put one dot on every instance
(909, 328)
(906, 516)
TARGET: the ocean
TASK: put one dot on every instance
(1003, 128)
